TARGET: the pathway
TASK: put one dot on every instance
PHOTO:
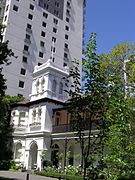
(22, 176)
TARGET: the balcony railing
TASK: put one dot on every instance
(69, 127)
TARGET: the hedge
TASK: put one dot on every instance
(62, 176)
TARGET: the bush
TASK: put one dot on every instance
(47, 163)
(72, 170)
(5, 165)
(126, 178)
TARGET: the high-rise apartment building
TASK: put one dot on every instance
(39, 30)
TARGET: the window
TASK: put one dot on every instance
(15, 8)
(24, 59)
(37, 86)
(44, 24)
(21, 118)
(46, 6)
(30, 16)
(56, 12)
(54, 30)
(27, 36)
(66, 36)
(39, 64)
(21, 84)
(67, 19)
(42, 84)
(26, 48)
(23, 71)
(53, 49)
(68, 4)
(54, 85)
(57, 4)
(7, 7)
(42, 44)
(65, 55)
(64, 64)
(31, 7)
(41, 54)
(55, 21)
(5, 18)
(61, 88)
(42, 33)
(66, 45)
(54, 39)
(67, 28)
(53, 59)
(45, 15)
(29, 26)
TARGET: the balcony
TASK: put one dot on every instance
(28, 41)
(69, 127)
(66, 49)
(26, 52)
(29, 30)
(35, 126)
(20, 128)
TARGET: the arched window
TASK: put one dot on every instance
(42, 84)
(54, 86)
(21, 118)
(37, 86)
(18, 151)
(34, 115)
(39, 114)
(61, 88)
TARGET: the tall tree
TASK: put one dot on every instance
(104, 103)
(5, 125)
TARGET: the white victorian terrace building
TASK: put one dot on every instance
(43, 124)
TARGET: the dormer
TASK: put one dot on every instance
(48, 82)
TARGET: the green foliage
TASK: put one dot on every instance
(105, 103)
(5, 125)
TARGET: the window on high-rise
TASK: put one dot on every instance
(23, 71)
(27, 36)
(21, 84)
(31, 7)
(45, 15)
(30, 16)
(66, 36)
(54, 30)
(29, 26)
(67, 28)
(24, 59)
(42, 33)
(42, 44)
(41, 54)
(53, 49)
(67, 19)
(55, 21)
(26, 48)
(54, 39)
(44, 24)
(15, 8)
(66, 45)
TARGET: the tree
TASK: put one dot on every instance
(6, 128)
(118, 136)
(105, 105)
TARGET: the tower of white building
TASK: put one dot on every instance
(39, 30)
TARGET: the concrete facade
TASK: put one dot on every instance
(38, 30)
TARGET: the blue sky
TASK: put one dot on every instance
(112, 20)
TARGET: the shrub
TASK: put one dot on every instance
(72, 170)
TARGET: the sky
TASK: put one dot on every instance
(112, 20)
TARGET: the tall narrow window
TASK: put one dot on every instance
(61, 88)
(54, 86)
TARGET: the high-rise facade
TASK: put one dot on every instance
(39, 30)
